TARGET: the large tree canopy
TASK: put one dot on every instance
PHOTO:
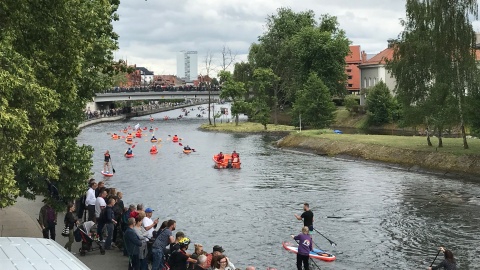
(295, 45)
(55, 56)
(434, 62)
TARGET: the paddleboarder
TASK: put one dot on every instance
(106, 162)
(304, 247)
(307, 217)
(448, 263)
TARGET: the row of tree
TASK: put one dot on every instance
(54, 56)
(299, 61)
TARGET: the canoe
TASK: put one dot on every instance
(153, 152)
(129, 142)
(109, 174)
(129, 156)
(138, 135)
(314, 254)
(187, 151)
(224, 164)
(153, 140)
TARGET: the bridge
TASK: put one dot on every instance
(105, 100)
(154, 95)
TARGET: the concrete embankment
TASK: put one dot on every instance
(412, 160)
(101, 120)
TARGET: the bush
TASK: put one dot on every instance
(350, 101)
(380, 105)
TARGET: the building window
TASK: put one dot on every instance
(350, 85)
(350, 77)
(374, 81)
(370, 81)
(349, 70)
(365, 82)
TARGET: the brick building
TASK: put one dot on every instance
(353, 60)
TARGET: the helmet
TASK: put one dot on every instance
(184, 242)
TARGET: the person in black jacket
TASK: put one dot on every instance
(448, 263)
(109, 222)
(70, 221)
(132, 245)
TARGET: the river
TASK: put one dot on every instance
(379, 217)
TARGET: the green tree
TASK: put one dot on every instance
(434, 60)
(380, 105)
(263, 80)
(233, 90)
(314, 104)
(60, 55)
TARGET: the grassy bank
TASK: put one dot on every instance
(246, 127)
(406, 151)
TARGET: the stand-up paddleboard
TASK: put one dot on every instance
(109, 174)
(314, 254)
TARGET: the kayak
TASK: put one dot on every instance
(187, 151)
(129, 142)
(115, 137)
(153, 140)
(153, 152)
(129, 156)
(227, 162)
(109, 174)
(138, 135)
(151, 130)
(314, 254)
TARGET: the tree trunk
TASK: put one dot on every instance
(265, 126)
(440, 141)
(236, 119)
(209, 106)
(428, 138)
(275, 103)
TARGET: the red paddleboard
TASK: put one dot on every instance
(109, 174)
(314, 254)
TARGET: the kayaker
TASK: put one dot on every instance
(129, 151)
(106, 161)
(187, 148)
(153, 149)
(153, 137)
(307, 217)
(175, 138)
(448, 263)
(220, 156)
(304, 247)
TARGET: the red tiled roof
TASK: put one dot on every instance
(354, 55)
(380, 58)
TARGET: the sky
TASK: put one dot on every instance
(153, 31)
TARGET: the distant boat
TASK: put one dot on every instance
(338, 131)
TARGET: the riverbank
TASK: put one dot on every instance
(247, 127)
(409, 152)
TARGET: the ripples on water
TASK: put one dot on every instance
(379, 217)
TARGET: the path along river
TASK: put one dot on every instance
(379, 217)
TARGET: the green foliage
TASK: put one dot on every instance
(232, 90)
(434, 62)
(52, 62)
(314, 104)
(380, 105)
(263, 80)
(296, 44)
(350, 101)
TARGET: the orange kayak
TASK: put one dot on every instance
(129, 142)
(153, 152)
(187, 151)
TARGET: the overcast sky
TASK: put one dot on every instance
(153, 31)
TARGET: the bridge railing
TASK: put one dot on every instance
(160, 88)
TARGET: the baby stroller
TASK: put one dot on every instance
(83, 233)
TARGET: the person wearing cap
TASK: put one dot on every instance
(217, 251)
(148, 223)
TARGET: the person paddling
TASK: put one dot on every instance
(129, 151)
(448, 263)
(304, 247)
(307, 217)
(106, 161)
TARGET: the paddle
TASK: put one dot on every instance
(111, 162)
(331, 242)
(435, 257)
(133, 146)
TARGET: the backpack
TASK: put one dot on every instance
(50, 214)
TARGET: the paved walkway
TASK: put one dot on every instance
(20, 220)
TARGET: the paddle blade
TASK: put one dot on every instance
(133, 146)
(180, 144)
(193, 150)
(113, 170)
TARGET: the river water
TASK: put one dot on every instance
(379, 217)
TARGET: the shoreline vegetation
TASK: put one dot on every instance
(410, 152)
